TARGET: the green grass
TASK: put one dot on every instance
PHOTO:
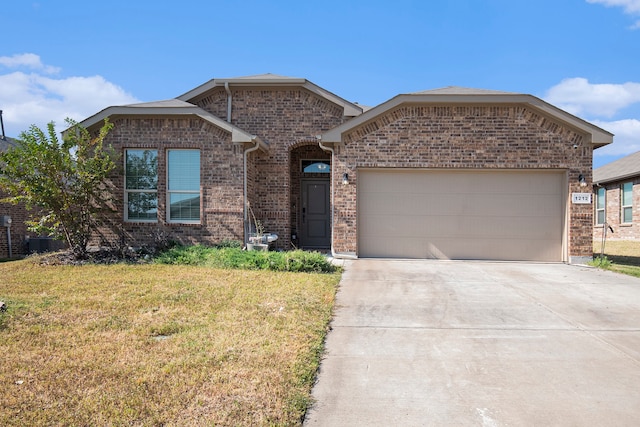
(235, 257)
(622, 256)
(159, 344)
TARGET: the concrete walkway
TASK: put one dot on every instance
(455, 343)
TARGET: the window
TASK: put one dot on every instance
(627, 202)
(141, 185)
(183, 185)
(316, 166)
(601, 214)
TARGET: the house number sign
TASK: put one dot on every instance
(581, 198)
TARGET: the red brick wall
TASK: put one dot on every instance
(221, 180)
(19, 232)
(284, 118)
(511, 137)
(614, 212)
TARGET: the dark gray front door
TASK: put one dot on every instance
(315, 214)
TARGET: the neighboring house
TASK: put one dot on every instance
(17, 230)
(451, 173)
(617, 198)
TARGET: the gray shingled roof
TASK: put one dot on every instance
(458, 90)
(5, 144)
(467, 96)
(625, 167)
(269, 79)
(264, 76)
(168, 103)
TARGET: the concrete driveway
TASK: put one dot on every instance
(456, 343)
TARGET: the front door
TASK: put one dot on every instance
(315, 214)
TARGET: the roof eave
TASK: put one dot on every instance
(349, 109)
(237, 134)
(610, 179)
(598, 136)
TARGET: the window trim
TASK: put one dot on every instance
(603, 209)
(629, 206)
(128, 191)
(168, 192)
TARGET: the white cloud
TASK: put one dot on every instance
(578, 96)
(587, 100)
(37, 98)
(626, 139)
(631, 7)
(27, 60)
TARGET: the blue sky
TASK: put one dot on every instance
(73, 58)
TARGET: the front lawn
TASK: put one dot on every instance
(159, 344)
(623, 256)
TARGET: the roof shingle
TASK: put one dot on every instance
(458, 90)
(619, 169)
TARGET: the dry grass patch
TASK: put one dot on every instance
(159, 345)
(624, 255)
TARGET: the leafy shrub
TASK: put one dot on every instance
(600, 262)
(183, 255)
(229, 255)
(229, 243)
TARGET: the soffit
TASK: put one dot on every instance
(272, 80)
(172, 107)
(465, 96)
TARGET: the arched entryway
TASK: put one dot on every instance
(310, 172)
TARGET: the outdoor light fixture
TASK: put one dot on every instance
(345, 178)
(582, 180)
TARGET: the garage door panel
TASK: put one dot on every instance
(396, 203)
(452, 248)
(461, 214)
(389, 227)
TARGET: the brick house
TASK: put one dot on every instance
(449, 173)
(17, 232)
(617, 197)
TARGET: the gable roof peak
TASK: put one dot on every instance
(271, 80)
(262, 76)
(455, 95)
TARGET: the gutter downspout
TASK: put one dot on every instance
(244, 165)
(3, 137)
(333, 252)
(229, 100)
(246, 211)
(9, 242)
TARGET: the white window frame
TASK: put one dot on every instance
(169, 192)
(602, 209)
(629, 205)
(128, 191)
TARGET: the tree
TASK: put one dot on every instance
(66, 182)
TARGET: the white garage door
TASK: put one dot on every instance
(506, 215)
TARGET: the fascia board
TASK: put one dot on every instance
(598, 136)
(350, 109)
(213, 83)
(197, 90)
(335, 135)
(237, 134)
(610, 179)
